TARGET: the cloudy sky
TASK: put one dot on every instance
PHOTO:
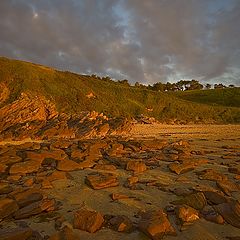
(140, 40)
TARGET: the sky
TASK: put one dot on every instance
(144, 41)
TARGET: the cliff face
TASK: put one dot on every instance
(36, 117)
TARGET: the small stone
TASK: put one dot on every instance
(68, 165)
(3, 168)
(121, 224)
(136, 166)
(87, 220)
(65, 234)
(228, 186)
(212, 175)
(5, 188)
(29, 182)
(35, 208)
(155, 224)
(230, 212)
(46, 184)
(117, 196)
(7, 207)
(25, 167)
(106, 167)
(16, 233)
(211, 215)
(187, 214)
(100, 180)
(27, 197)
(14, 178)
(132, 180)
(215, 197)
(195, 200)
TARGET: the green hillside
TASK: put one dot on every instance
(69, 92)
(225, 97)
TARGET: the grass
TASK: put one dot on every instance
(69, 92)
(224, 97)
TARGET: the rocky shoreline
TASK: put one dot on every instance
(118, 187)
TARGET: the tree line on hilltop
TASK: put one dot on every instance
(182, 85)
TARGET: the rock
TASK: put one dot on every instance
(117, 196)
(155, 224)
(121, 224)
(86, 164)
(234, 170)
(156, 144)
(29, 182)
(187, 214)
(60, 144)
(25, 167)
(136, 166)
(106, 167)
(211, 215)
(27, 197)
(186, 165)
(3, 168)
(56, 175)
(49, 163)
(101, 180)
(86, 220)
(28, 108)
(234, 238)
(181, 168)
(215, 197)
(7, 207)
(212, 175)
(65, 234)
(180, 191)
(68, 165)
(14, 178)
(16, 233)
(57, 154)
(195, 200)
(230, 212)
(77, 154)
(5, 188)
(132, 180)
(46, 184)
(103, 129)
(228, 186)
(35, 208)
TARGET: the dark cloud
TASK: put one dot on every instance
(145, 41)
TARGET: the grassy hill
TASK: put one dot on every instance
(225, 97)
(70, 92)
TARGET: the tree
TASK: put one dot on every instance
(158, 87)
(219, 86)
(231, 86)
(208, 86)
(194, 85)
(137, 84)
(124, 82)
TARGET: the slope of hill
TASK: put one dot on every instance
(225, 97)
(73, 93)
